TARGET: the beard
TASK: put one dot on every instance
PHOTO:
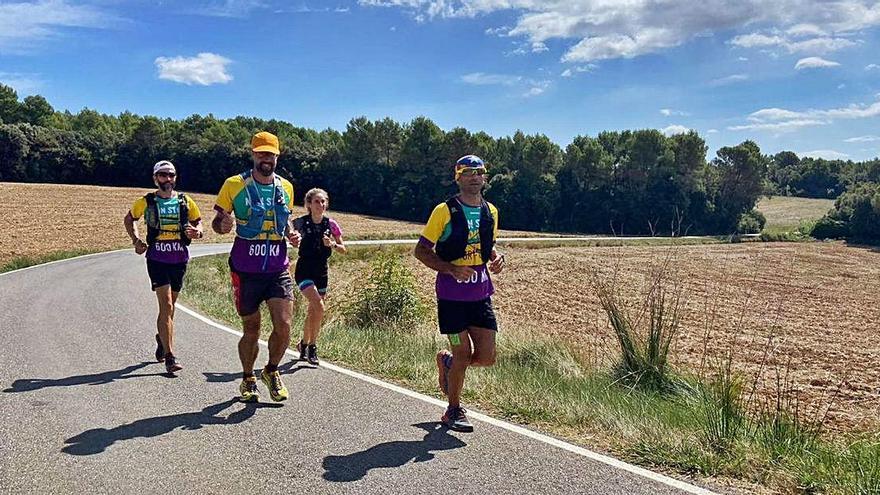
(266, 168)
(166, 186)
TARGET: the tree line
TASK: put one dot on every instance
(623, 182)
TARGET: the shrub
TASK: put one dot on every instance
(644, 331)
(828, 228)
(751, 223)
(388, 297)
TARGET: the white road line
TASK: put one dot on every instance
(616, 463)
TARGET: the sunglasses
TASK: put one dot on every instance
(170, 175)
(470, 172)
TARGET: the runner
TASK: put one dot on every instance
(459, 243)
(258, 204)
(173, 220)
(320, 236)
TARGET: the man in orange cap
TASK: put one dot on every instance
(258, 203)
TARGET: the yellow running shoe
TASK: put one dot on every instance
(248, 389)
(276, 387)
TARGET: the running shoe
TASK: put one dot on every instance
(454, 418)
(171, 364)
(444, 363)
(248, 389)
(303, 350)
(160, 351)
(313, 355)
(276, 387)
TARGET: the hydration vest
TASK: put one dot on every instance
(154, 223)
(257, 210)
(311, 246)
(454, 246)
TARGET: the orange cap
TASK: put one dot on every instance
(265, 141)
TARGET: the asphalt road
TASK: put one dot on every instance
(85, 409)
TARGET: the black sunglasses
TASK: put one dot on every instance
(166, 174)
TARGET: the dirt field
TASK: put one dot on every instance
(44, 218)
(811, 305)
(807, 307)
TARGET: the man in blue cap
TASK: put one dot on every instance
(458, 242)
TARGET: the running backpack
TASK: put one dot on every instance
(154, 222)
(257, 210)
(311, 246)
(454, 246)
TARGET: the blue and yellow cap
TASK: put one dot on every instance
(468, 162)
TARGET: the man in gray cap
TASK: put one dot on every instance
(173, 220)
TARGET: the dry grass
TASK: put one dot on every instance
(46, 218)
(787, 213)
(814, 303)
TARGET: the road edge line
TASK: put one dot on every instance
(595, 456)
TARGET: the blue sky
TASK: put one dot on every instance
(800, 75)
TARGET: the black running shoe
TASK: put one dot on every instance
(455, 419)
(303, 350)
(160, 351)
(313, 355)
(171, 364)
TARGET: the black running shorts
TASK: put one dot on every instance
(458, 316)
(166, 274)
(251, 289)
(311, 272)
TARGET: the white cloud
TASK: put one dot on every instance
(743, 59)
(483, 79)
(805, 30)
(712, 131)
(732, 79)
(534, 91)
(675, 129)
(785, 126)
(668, 112)
(24, 23)
(820, 45)
(238, 9)
(579, 68)
(872, 67)
(782, 120)
(605, 29)
(23, 84)
(814, 63)
(204, 69)
(826, 154)
(862, 139)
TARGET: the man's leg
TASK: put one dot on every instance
(484, 346)
(165, 321)
(461, 359)
(248, 346)
(279, 340)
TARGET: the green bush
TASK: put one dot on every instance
(388, 296)
(644, 331)
(829, 228)
(751, 223)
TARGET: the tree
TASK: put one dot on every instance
(10, 109)
(36, 110)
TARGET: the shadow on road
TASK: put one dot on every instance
(352, 467)
(30, 384)
(225, 377)
(97, 440)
